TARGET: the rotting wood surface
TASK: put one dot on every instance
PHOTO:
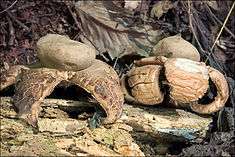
(60, 135)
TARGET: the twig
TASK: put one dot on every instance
(11, 32)
(29, 4)
(221, 30)
(9, 7)
(3, 32)
(73, 15)
(195, 36)
(225, 28)
(51, 14)
(17, 21)
(80, 27)
(192, 28)
(115, 63)
(3, 41)
(104, 57)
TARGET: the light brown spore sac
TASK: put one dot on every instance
(69, 61)
(60, 52)
(176, 47)
(144, 84)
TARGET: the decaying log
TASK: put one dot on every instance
(166, 124)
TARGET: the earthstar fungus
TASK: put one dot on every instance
(188, 81)
(63, 59)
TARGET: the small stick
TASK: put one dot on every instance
(24, 6)
(115, 63)
(80, 27)
(103, 56)
(192, 28)
(11, 32)
(221, 30)
(17, 21)
(2, 31)
(195, 36)
(73, 15)
(8, 7)
(225, 28)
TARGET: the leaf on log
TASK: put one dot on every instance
(108, 28)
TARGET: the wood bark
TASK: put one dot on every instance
(163, 125)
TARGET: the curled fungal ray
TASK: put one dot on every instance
(32, 88)
(64, 60)
(33, 85)
(103, 83)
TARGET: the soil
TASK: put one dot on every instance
(220, 144)
(24, 22)
(27, 21)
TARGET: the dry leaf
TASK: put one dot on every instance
(107, 27)
(132, 4)
(212, 4)
(160, 8)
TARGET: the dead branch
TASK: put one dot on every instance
(17, 21)
(9, 7)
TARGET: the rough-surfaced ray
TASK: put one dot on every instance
(32, 87)
(102, 82)
(8, 76)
